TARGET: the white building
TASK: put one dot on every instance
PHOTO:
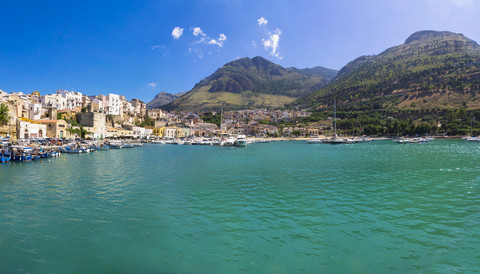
(127, 107)
(73, 99)
(139, 107)
(34, 111)
(28, 130)
(170, 132)
(114, 104)
(142, 132)
(53, 100)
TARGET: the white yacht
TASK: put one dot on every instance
(241, 141)
(229, 142)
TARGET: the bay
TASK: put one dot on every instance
(282, 207)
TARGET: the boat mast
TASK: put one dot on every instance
(335, 116)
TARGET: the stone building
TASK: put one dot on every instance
(94, 120)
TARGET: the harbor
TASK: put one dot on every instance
(40, 149)
(212, 209)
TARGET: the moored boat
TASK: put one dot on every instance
(241, 141)
(5, 158)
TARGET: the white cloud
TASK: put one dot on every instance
(254, 44)
(214, 42)
(219, 41)
(153, 85)
(200, 40)
(198, 31)
(272, 43)
(262, 21)
(177, 32)
(155, 47)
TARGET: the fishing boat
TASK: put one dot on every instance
(71, 149)
(21, 154)
(36, 157)
(115, 145)
(5, 155)
(102, 147)
(4, 158)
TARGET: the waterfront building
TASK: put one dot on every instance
(170, 132)
(27, 128)
(184, 131)
(113, 132)
(141, 132)
(158, 131)
(96, 121)
(56, 128)
(313, 131)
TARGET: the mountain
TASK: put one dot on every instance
(329, 74)
(249, 83)
(162, 99)
(430, 70)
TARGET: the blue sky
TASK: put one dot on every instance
(130, 47)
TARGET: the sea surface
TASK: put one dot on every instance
(283, 207)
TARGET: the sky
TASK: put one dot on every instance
(140, 48)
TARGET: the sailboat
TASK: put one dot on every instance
(335, 140)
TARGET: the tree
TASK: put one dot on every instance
(4, 117)
(296, 132)
(147, 120)
(79, 131)
(208, 117)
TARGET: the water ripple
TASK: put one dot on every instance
(280, 207)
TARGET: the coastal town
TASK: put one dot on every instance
(70, 114)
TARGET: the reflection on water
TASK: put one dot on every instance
(277, 207)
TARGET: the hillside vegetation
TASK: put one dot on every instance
(431, 70)
(250, 83)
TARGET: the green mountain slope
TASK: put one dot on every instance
(431, 70)
(329, 74)
(248, 83)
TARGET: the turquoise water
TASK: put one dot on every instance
(285, 207)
